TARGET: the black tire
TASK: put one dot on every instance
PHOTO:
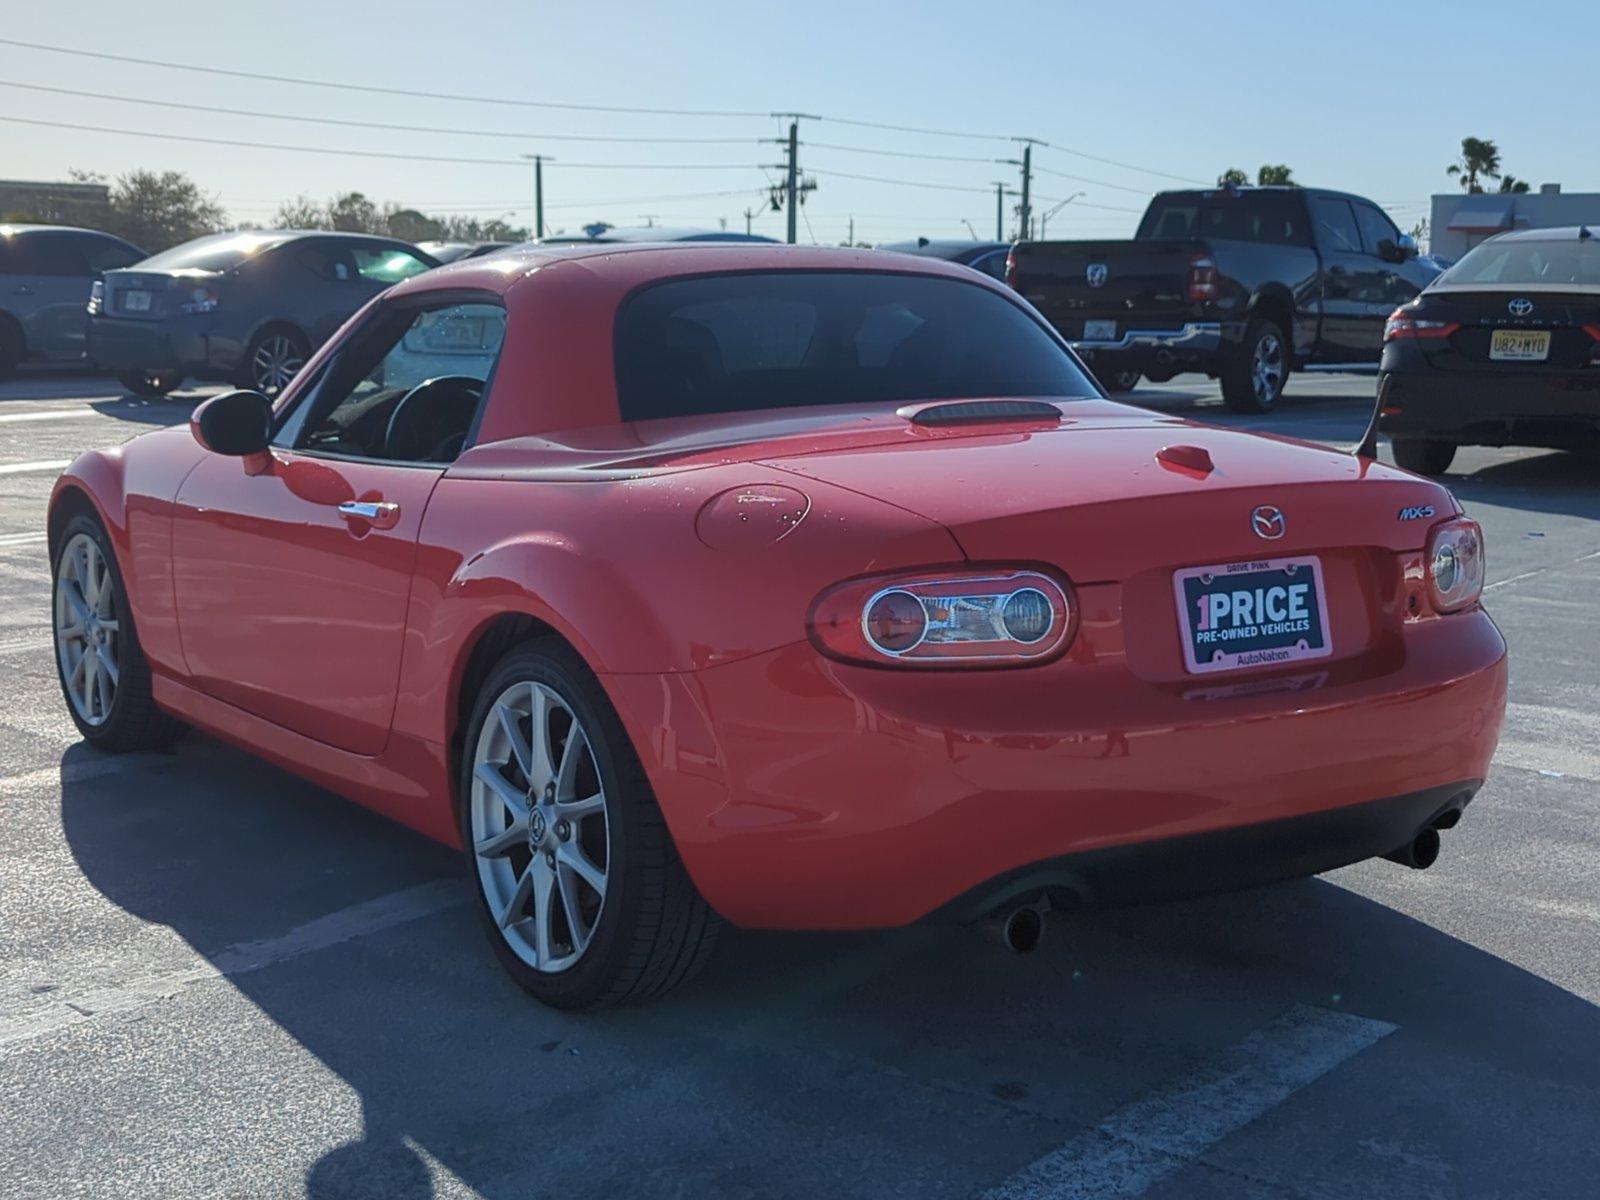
(133, 722)
(149, 383)
(272, 345)
(653, 931)
(1425, 456)
(1254, 374)
(1118, 380)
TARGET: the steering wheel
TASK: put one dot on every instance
(434, 417)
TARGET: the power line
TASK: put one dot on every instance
(1111, 162)
(1085, 179)
(491, 133)
(898, 153)
(437, 158)
(983, 137)
(376, 90)
(952, 187)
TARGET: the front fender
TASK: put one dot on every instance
(130, 489)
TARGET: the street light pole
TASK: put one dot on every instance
(1044, 219)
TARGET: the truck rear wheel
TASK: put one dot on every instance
(1254, 375)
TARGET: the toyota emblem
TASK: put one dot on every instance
(1520, 307)
(1095, 274)
(1267, 522)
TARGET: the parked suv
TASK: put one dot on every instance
(246, 307)
(1242, 283)
(46, 272)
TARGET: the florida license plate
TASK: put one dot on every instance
(1519, 345)
(1252, 614)
(1099, 331)
(133, 301)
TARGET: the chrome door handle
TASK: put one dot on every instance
(380, 514)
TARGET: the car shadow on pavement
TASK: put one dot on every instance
(734, 1084)
(1553, 482)
(145, 410)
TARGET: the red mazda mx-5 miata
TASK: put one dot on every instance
(801, 589)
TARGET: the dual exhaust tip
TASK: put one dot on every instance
(1422, 851)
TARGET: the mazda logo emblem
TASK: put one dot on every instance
(1520, 308)
(1095, 274)
(1267, 522)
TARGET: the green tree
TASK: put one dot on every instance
(354, 213)
(1480, 160)
(409, 225)
(1510, 183)
(160, 209)
(301, 213)
(1234, 176)
(1275, 173)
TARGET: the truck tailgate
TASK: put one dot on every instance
(1139, 284)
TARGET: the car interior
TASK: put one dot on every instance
(407, 389)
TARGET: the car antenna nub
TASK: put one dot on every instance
(1584, 233)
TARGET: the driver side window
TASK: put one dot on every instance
(406, 386)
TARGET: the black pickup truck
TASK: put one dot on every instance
(1242, 283)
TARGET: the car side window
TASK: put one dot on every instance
(49, 254)
(1376, 228)
(1336, 225)
(326, 260)
(386, 264)
(405, 387)
(107, 253)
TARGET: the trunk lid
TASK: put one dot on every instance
(1138, 284)
(150, 295)
(1094, 500)
(1481, 313)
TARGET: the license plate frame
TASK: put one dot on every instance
(1100, 331)
(137, 300)
(1294, 600)
(1519, 345)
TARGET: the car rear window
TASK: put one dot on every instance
(220, 253)
(1527, 262)
(795, 339)
(1274, 217)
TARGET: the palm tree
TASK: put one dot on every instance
(1274, 173)
(1480, 159)
(1510, 183)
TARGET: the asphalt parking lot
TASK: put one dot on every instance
(216, 980)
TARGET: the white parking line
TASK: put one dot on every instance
(75, 413)
(53, 465)
(1147, 1140)
(77, 1008)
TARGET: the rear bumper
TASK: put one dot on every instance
(1494, 408)
(1219, 860)
(806, 794)
(166, 345)
(1193, 345)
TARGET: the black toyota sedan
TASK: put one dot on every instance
(247, 307)
(1503, 349)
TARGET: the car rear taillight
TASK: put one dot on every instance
(1594, 351)
(1013, 275)
(989, 618)
(1455, 565)
(1403, 326)
(1202, 278)
(201, 299)
(97, 297)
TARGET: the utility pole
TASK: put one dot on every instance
(794, 188)
(1025, 212)
(538, 192)
(850, 240)
(1000, 194)
(748, 217)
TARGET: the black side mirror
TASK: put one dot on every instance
(235, 423)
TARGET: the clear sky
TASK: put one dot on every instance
(1370, 97)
